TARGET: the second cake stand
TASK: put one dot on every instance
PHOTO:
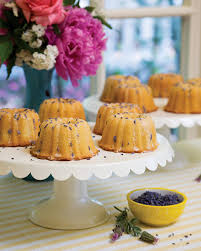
(70, 207)
(160, 117)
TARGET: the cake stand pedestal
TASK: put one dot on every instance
(70, 207)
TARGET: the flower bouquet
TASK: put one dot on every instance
(51, 33)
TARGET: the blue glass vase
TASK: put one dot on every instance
(38, 88)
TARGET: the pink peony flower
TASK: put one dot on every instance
(44, 12)
(80, 45)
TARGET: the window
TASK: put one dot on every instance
(143, 46)
(152, 15)
(136, 45)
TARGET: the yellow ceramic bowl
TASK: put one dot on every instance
(156, 215)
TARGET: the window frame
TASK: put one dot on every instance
(190, 12)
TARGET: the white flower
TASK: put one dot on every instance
(46, 60)
(36, 44)
(39, 61)
(27, 36)
(23, 56)
(39, 30)
(52, 51)
(32, 36)
(13, 6)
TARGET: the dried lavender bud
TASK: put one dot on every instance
(156, 199)
(115, 139)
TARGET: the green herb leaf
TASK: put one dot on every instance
(103, 21)
(123, 224)
(145, 236)
(89, 8)
(133, 221)
(118, 209)
(6, 49)
(10, 64)
(56, 29)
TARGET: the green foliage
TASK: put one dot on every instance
(103, 21)
(10, 64)
(76, 3)
(69, 2)
(12, 21)
(89, 8)
(6, 48)
(4, 38)
(56, 29)
(3, 24)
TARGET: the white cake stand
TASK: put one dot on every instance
(160, 117)
(70, 206)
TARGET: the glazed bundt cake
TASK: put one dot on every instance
(64, 139)
(114, 81)
(18, 127)
(107, 110)
(60, 107)
(194, 80)
(162, 83)
(140, 95)
(129, 133)
(185, 98)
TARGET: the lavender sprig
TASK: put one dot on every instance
(124, 225)
(198, 179)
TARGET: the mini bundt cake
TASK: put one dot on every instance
(194, 80)
(18, 127)
(112, 82)
(64, 139)
(185, 98)
(140, 95)
(109, 109)
(162, 83)
(60, 107)
(129, 133)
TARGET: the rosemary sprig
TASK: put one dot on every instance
(124, 225)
